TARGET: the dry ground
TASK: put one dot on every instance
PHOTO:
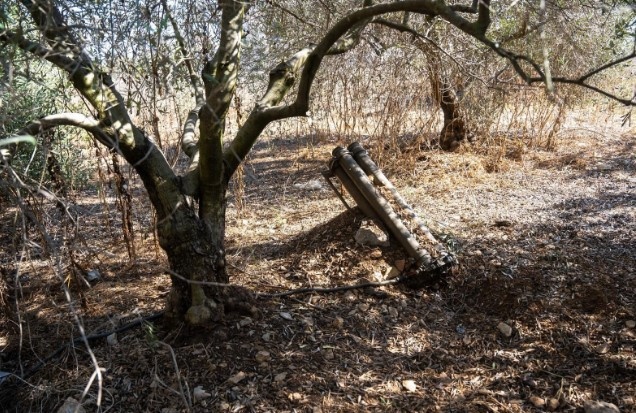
(547, 245)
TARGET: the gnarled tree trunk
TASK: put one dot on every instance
(455, 131)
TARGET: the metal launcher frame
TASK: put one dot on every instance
(369, 188)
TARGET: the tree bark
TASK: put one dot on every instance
(455, 131)
(195, 254)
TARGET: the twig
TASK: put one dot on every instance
(195, 282)
(186, 399)
(331, 289)
(291, 13)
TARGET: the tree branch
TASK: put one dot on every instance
(339, 39)
(89, 124)
(291, 13)
(220, 78)
(99, 90)
(195, 81)
(188, 142)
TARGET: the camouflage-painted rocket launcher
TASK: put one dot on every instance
(353, 167)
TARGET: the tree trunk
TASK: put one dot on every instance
(454, 131)
(197, 254)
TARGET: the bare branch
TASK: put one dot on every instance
(89, 124)
(290, 12)
(188, 142)
(187, 60)
(58, 59)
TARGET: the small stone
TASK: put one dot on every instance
(286, 316)
(393, 312)
(538, 402)
(602, 348)
(376, 254)
(391, 273)
(71, 406)
(504, 329)
(93, 275)
(630, 323)
(338, 322)
(400, 265)
(553, 404)
(409, 385)
(363, 307)
(280, 377)
(263, 356)
(267, 336)
(295, 396)
(199, 394)
(597, 406)
(237, 378)
(329, 354)
(245, 321)
(112, 340)
(370, 235)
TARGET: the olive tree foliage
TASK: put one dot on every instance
(121, 58)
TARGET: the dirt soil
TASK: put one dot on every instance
(539, 316)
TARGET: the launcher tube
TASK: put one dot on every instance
(362, 158)
(381, 206)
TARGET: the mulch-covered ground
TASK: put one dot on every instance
(539, 316)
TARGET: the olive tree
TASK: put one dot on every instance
(191, 206)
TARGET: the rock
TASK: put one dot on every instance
(391, 273)
(313, 185)
(538, 402)
(199, 394)
(237, 378)
(263, 356)
(602, 348)
(338, 322)
(400, 265)
(267, 336)
(286, 316)
(553, 404)
(393, 312)
(378, 276)
(363, 307)
(71, 406)
(504, 329)
(409, 385)
(630, 323)
(93, 275)
(112, 339)
(280, 377)
(597, 406)
(328, 353)
(372, 236)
